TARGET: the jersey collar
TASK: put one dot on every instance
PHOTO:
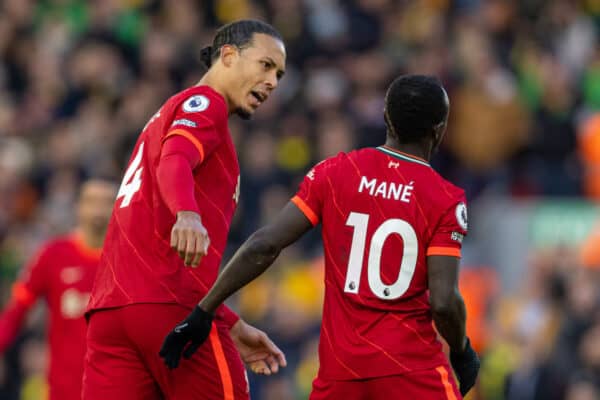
(83, 248)
(402, 156)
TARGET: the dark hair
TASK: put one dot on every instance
(238, 34)
(414, 106)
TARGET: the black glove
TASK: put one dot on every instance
(193, 330)
(466, 366)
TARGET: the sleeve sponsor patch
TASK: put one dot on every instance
(184, 122)
(457, 237)
(196, 103)
(461, 216)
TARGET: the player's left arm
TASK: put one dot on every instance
(447, 305)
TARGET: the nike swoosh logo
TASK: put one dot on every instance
(179, 328)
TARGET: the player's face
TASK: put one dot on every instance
(256, 73)
(95, 205)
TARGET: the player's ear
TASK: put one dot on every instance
(228, 54)
(388, 123)
(438, 133)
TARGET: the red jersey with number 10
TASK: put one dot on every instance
(382, 213)
(138, 264)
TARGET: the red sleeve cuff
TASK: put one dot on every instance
(226, 315)
(306, 210)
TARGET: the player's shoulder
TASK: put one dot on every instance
(348, 161)
(200, 100)
(448, 192)
(353, 157)
(326, 168)
(364, 154)
(57, 244)
(330, 163)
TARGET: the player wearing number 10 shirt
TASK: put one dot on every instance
(392, 230)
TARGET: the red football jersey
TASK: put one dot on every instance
(63, 274)
(138, 264)
(382, 213)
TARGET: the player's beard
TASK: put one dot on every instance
(243, 114)
(98, 226)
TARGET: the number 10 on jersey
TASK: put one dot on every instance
(360, 222)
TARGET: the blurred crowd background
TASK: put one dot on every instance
(79, 79)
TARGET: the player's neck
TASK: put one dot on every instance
(209, 79)
(414, 149)
(91, 240)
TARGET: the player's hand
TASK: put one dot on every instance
(256, 349)
(189, 238)
(466, 366)
(186, 337)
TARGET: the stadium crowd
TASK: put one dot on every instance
(79, 79)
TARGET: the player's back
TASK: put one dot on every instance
(383, 213)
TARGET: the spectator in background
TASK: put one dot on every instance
(489, 122)
(62, 273)
(589, 150)
(79, 79)
(583, 388)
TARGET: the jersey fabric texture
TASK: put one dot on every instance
(138, 264)
(426, 384)
(382, 213)
(62, 273)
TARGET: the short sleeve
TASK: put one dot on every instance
(313, 190)
(201, 119)
(227, 315)
(450, 231)
(33, 280)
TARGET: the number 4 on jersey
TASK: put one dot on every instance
(408, 265)
(132, 181)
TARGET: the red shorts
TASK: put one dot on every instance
(430, 384)
(122, 361)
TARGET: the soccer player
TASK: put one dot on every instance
(392, 230)
(168, 232)
(63, 273)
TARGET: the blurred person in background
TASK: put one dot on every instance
(377, 337)
(62, 273)
(583, 388)
(79, 79)
(168, 232)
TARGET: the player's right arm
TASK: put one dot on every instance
(257, 254)
(25, 292)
